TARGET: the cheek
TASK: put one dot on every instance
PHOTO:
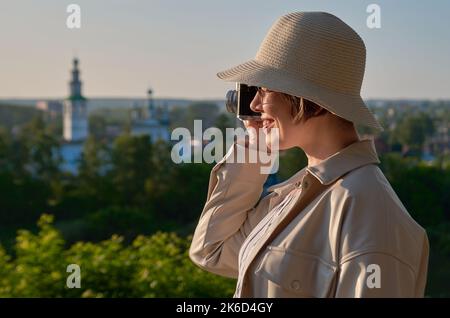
(284, 123)
(285, 127)
(280, 110)
(285, 133)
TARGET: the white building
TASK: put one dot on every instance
(151, 121)
(145, 121)
(75, 117)
(75, 123)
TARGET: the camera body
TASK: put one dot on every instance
(238, 101)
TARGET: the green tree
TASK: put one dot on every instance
(421, 188)
(413, 130)
(5, 145)
(95, 160)
(97, 126)
(44, 157)
(291, 161)
(13, 116)
(131, 165)
(224, 121)
(205, 111)
(91, 189)
(151, 266)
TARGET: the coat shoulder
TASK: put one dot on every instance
(373, 218)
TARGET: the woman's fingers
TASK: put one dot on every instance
(253, 133)
(253, 123)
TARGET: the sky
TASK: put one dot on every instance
(176, 47)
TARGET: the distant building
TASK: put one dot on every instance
(151, 121)
(440, 142)
(147, 120)
(75, 120)
(51, 107)
(75, 123)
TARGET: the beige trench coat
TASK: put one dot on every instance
(344, 233)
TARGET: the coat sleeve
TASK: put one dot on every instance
(233, 207)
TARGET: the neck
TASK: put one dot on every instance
(326, 142)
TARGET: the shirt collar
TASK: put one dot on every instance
(289, 183)
(357, 154)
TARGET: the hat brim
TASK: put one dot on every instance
(350, 107)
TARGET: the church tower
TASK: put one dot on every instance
(75, 111)
(151, 107)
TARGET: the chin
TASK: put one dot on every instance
(282, 146)
(269, 143)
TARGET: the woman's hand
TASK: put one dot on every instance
(253, 127)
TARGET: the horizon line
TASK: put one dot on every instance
(213, 98)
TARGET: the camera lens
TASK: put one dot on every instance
(231, 101)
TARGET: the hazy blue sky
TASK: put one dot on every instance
(177, 46)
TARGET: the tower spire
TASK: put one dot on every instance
(75, 109)
(151, 106)
(75, 83)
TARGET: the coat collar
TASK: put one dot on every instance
(358, 154)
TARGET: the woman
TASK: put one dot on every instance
(334, 229)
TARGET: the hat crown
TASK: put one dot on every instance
(318, 47)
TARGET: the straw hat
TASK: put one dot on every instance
(314, 55)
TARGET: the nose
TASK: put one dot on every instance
(256, 104)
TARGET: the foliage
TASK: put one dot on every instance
(412, 130)
(422, 189)
(291, 161)
(207, 112)
(13, 116)
(152, 266)
(97, 125)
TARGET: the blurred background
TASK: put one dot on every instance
(86, 116)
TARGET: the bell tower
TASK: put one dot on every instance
(75, 119)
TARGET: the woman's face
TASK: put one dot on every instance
(276, 113)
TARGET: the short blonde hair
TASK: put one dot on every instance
(302, 108)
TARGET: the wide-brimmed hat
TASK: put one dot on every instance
(314, 55)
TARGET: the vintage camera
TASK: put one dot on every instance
(238, 101)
